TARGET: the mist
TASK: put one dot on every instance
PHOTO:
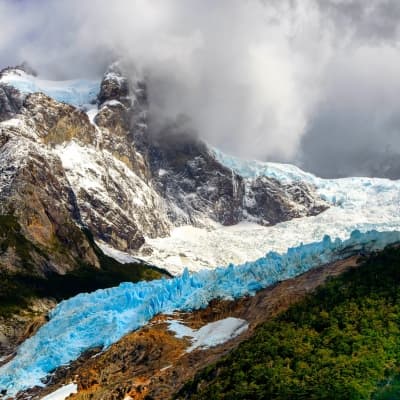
(311, 82)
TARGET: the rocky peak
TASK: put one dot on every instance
(114, 86)
(199, 188)
(11, 99)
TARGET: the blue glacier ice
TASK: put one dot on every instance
(346, 193)
(253, 168)
(103, 317)
(78, 92)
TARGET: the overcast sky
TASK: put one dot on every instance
(314, 82)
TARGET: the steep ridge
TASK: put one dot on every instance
(101, 318)
(199, 188)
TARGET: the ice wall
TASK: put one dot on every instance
(103, 317)
(78, 92)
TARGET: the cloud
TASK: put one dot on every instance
(355, 130)
(311, 81)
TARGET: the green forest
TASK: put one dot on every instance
(342, 342)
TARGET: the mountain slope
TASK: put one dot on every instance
(340, 343)
(31, 287)
(155, 361)
(101, 318)
(355, 203)
(162, 194)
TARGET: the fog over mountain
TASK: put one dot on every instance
(311, 82)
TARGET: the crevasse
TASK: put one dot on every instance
(103, 317)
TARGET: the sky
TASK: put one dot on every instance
(310, 82)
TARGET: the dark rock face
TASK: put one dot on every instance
(196, 186)
(10, 102)
(40, 197)
(114, 87)
(35, 189)
(269, 202)
(189, 176)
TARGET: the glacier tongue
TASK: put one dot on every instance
(101, 318)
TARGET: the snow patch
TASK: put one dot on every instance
(63, 392)
(120, 256)
(162, 172)
(112, 103)
(108, 180)
(92, 111)
(210, 335)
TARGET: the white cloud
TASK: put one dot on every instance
(253, 75)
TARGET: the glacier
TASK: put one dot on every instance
(342, 192)
(78, 92)
(361, 203)
(285, 173)
(101, 318)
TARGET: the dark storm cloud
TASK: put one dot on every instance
(314, 82)
(355, 128)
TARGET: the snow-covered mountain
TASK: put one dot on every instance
(126, 184)
(165, 197)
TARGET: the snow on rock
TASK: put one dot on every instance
(210, 335)
(109, 193)
(120, 256)
(75, 92)
(356, 203)
(101, 318)
(63, 392)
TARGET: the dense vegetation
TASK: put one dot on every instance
(18, 288)
(342, 342)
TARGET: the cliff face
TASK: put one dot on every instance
(33, 184)
(59, 180)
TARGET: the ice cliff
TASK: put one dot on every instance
(78, 92)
